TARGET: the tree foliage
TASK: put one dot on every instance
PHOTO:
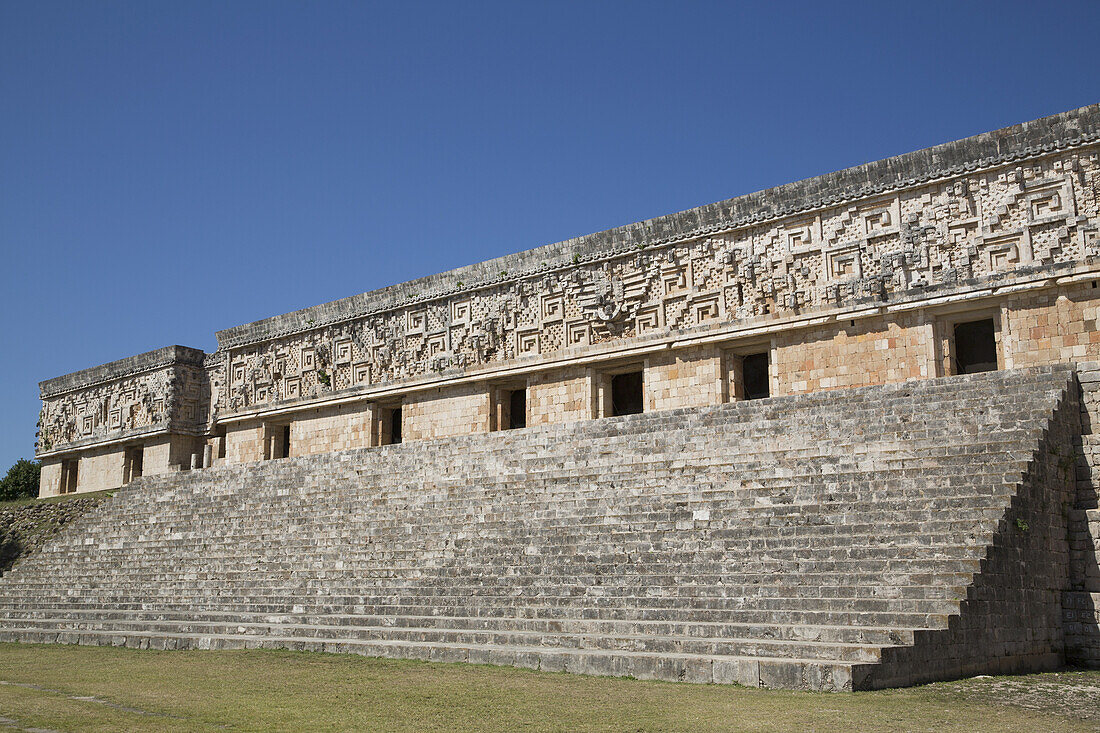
(21, 480)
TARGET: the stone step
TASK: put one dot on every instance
(944, 603)
(684, 585)
(834, 634)
(856, 568)
(761, 522)
(827, 492)
(699, 484)
(725, 535)
(704, 646)
(808, 674)
(815, 617)
(523, 560)
(343, 584)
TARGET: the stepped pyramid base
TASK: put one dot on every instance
(850, 540)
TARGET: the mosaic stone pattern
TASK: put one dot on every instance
(987, 226)
(163, 390)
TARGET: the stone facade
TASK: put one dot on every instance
(982, 254)
(849, 279)
(94, 423)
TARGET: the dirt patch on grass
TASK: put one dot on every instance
(1073, 694)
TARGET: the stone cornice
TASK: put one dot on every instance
(120, 369)
(1017, 143)
(117, 438)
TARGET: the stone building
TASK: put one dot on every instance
(978, 254)
(832, 435)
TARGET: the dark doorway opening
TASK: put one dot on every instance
(69, 471)
(135, 458)
(517, 409)
(754, 376)
(975, 347)
(626, 394)
(395, 425)
(284, 446)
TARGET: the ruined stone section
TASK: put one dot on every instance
(94, 422)
(24, 529)
(832, 541)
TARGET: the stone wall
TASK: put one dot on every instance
(446, 412)
(855, 353)
(691, 377)
(560, 396)
(1013, 610)
(49, 482)
(1054, 326)
(1081, 604)
(342, 427)
(245, 442)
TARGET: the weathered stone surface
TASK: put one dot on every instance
(830, 541)
(24, 529)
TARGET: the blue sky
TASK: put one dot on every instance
(171, 169)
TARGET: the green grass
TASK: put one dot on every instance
(14, 503)
(44, 686)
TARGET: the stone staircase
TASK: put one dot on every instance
(843, 540)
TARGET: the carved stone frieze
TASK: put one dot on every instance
(167, 389)
(980, 225)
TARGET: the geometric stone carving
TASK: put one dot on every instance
(844, 264)
(527, 342)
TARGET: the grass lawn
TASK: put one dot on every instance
(69, 688)
(16, 503)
